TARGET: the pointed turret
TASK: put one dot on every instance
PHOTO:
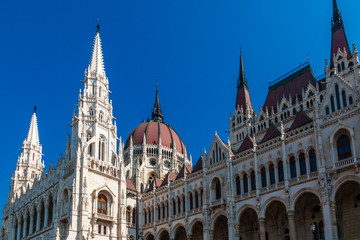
(338, 38)
(33, 134)
(157, 114)
(96, 65)
(243, 97)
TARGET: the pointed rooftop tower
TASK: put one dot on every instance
(242, 97)
(338, 36)
(96, 66)
(157, 114)
(33, 134)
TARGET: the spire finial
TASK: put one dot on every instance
(35, 109)
(242, 79)
(98, 25)
(337, 20)
(157, 114)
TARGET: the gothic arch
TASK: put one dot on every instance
(341, 182)
(242, 209)
(218, 214)
(341, 128)
(149, 236)
(213, 178)
(193, 222)
(178, 225)
(301, 192)
(269, 201)
(161, 231)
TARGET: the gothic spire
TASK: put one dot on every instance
(157, 114)
(242, 97)
(33, 134)
(242, 80)
(96, 65)
(338, 38)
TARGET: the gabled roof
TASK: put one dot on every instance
(301, 119)
(166, 179)
(198, 166)
(271, 133)
(181, 172)
(292, 85)
(246, 144)
(130, 185)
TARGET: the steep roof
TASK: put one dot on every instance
(182, 171)
(271, 133)
(130, 185)
(33, 134)
(292, 85)
(96, 65)
(198, 166)
(301, 119)
(242, 96)
(166, 179)
(246, 144)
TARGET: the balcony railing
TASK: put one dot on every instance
(344, 163)
(105, 217)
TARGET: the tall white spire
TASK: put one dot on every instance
(96, 66)
(33, 134)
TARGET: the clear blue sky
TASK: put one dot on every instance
(193, 46)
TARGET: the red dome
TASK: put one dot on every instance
(152, 130)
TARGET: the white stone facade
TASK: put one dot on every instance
(292, 165)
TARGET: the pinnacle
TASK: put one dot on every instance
(33, 134)
(96, 65)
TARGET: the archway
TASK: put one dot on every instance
(197, 231)
(276, 224)
(164, 235)
(221, 228)
(150, 237)
(249, 225)
(308, 211)
(180, 233)
(348, 210)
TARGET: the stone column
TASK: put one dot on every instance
(211, 233)
(237, 231)
(38, 219)
(25, 226)
(18, 235)
(333, 153)
(334, 222)
(292, 231)
(262, 229)
(189, 237)
(46, 217)
(31, 227)
(13, 228)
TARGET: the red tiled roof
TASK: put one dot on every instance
(243, 98)
(130, 185)
(166, 179)
(198, 166)
(271, 133)
(246, 144)
(300, 120)
(291, 85)
(158, 182)
(151, 131)
(181, 172)
(339, 40)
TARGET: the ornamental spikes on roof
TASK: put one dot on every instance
(96, 65)
(33, 134)
(157, 114)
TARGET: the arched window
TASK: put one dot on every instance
(196, 199)
(183, 202)
(272, 174)
(174, 207)
(201, 197)
(332, 103)
(100, 91)
(245, 181)
(327, 111)
(101, 148)
(91, 112)
(321, 230)
(280, 171)
(145, 217)
(292, 167)
(302, 164)
(101, 116)
(238, 188)
(134, 216)
(263, 177)
(159, 212)
(191, 201)
(343, 147)
(128, 214)
(312, 159)
(350, 100)
(253, 181)
(343, 95)
(337, 95)
(179, 205)
(149, 215)
(102, 204)
(163, 210)
(342, 66)
(217, 189)
(338, 68)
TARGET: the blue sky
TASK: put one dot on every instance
(193, 46)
